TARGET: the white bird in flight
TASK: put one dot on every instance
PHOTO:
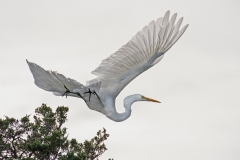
(142, 52)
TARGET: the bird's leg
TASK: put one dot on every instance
(68, 91)
(91, 92)
(79, 95)
(95, 94)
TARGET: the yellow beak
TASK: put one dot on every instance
(150, 99)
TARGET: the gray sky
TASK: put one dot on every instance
(198, 80)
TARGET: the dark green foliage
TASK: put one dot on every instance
(45, 138)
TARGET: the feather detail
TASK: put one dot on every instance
(53, 81)
(143, 51)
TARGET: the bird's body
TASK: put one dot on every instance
(142, 52)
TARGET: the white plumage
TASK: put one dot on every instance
(142, 52)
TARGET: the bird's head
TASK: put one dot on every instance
(143, 98)
(138, 97)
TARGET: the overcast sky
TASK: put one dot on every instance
(198, 80)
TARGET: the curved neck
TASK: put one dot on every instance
(128, 101)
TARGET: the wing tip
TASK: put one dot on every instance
(184, 28)
(28, 62)
(167, 14)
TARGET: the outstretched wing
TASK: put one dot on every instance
(143, 51)
(54, 82)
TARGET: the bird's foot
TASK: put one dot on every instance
(91, 92)
(66, 92)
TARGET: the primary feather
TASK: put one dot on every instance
(143, 51)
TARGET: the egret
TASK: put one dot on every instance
(139, 54)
